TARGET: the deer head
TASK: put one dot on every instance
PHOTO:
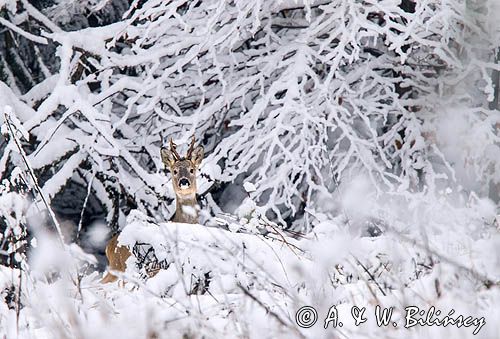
(183, 170)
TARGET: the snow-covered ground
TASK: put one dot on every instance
(368, 130)
(259, 278)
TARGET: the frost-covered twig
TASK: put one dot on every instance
(89, 190)
(32, 175)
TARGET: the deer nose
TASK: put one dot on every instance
(184, 183)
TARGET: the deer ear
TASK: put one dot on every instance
(167, 156)
(197, 155)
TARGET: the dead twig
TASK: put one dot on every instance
(370, 275)
(273, 314)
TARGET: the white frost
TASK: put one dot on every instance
(249, 187)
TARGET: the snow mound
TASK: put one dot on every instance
(229, 260)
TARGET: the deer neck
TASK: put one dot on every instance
(186, 209)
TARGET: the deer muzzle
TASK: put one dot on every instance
(184, 183)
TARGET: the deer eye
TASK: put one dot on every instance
(191, 171)
(175, 172)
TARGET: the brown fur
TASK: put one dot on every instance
(117, 256)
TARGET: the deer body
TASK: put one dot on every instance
(183, 170)
(186, 211)
(117, 256)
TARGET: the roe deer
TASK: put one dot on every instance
(183, 170)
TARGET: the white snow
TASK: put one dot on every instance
(249, 187)
(323, 269)
(336, 119)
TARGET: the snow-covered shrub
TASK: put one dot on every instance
(13, 232)
(258, 282)
(289, 95)
(343, 114)
(13, 198)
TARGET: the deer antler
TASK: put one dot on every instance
(173, 149)
(191, 148)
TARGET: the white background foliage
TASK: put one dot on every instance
(336, 117)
